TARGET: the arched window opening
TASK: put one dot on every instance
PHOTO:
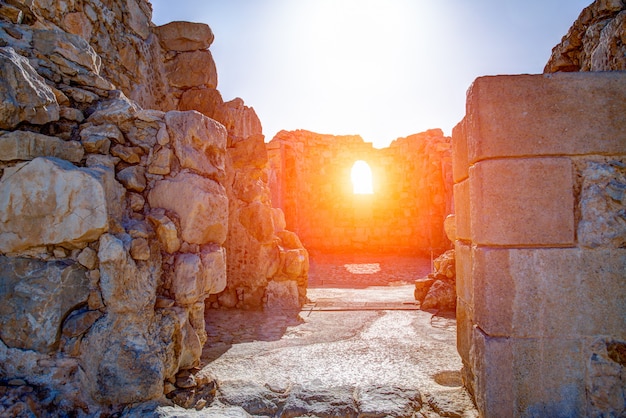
(361, 178)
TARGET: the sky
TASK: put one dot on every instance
(382, 69)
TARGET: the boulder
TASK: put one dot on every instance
(282, 295)
(192, 69)
(196, 276)
(25, 95)
(35, 298)
(184, 36)
(166, 231)
(48, 201)
(201, 205)
(25, 145)
(125, 287)
(199, 142)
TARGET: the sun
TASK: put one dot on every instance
(361, 176)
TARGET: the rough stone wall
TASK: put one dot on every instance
(116, 221)
(267, 264)
(540, 191)
(310, 182)
(595, 42)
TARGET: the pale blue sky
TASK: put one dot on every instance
(382, 69)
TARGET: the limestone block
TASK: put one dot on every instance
(257, 219)
(26, 96)
(184, 36)
(547, 293)
(204, 100)
(282, 295)
(201, 205)
(187, 285)
(521, 202)
(24, 145)
(140, 249)
(35, 297)
(162, 162)
(214, 270)
(130, 155)
(199, 142)
(422, 286)
(241, 121)
(460, 156)
(50, 201)
(192, 69)
(462, 207)
(106, 130)
(88, 258)
(122, 361)
(509, 381)
(606, 378)
(278, 217)
(96, 144)
(114, 111)
(601, 203)
(288, 239)
(125, 287)
(550, 114)
(166, 231)
(71, 56)
(133, 178)
(196, 276)
(449, 226)
(295, 262)
(250, 152)
(464, 275)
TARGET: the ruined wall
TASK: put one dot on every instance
(310, 181)
(595, 42)
(540, 182)
(116, 222)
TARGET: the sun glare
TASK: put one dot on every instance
(361, 178)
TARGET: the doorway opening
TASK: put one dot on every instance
(361, 176)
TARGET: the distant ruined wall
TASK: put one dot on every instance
(412, 179)
(118, 222)
(540, 192)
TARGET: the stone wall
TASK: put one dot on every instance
(310, 181)
(595, 42)
(540, 191)
(117, 223)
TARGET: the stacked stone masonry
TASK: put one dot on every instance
(540, 190)
(310, 178)
(124, 213)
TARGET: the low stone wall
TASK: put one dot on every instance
(540, 191)
(310, 180)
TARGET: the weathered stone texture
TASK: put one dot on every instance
(541, 267)
(30, 321)
(184, 36)
(200, 204)
(24, 145)
(26, 97)
(50, 201)
(595, 42)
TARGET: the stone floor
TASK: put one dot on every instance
(360, 348)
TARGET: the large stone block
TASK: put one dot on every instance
(464, 277)
(50, 202)
(125, 287)
(24, 145)
(550, 293)
(192, 69)
(184, 36)
(200, 203)
(196, 276)
(35, 297)
(510, 380)
(25, 95)
(199, 142)
(522, 202)
(460, 160)
(551, 114)
(462, 208)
